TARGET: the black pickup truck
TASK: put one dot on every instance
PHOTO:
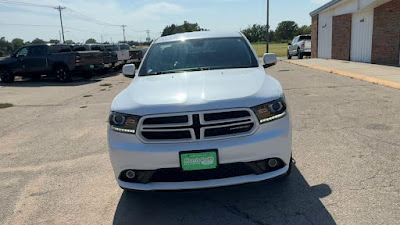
(50, 59)
(109, 56)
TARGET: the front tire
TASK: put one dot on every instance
(6, 76)
(62, 73)
(288, 55)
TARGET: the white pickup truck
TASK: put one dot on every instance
(300, 47)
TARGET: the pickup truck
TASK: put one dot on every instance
(122, 51)
(49, 59)
(137, 56)
(109, 56)
(300, 47)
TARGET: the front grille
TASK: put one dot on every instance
(212, 132)
(184, 127)
(222, 171)
(225, 115)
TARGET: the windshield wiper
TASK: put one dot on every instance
(179, 71)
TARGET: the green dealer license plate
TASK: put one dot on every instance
(199, 160)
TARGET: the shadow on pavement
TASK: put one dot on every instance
(52, 81)
(280, 201)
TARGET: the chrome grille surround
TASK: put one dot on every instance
(204, 125)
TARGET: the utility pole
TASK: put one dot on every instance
(148, 36)
(123, 31)
(60, 35)
(59, 8)
(101, 38)
(267, 47)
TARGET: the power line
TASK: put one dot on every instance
(33, 25)
(25, 4)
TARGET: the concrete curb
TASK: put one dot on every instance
(347, 74)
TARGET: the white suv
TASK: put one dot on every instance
(200, 113)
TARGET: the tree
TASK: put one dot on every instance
(54, 41)
(69, 42)
(185, 27)
(37, 41)
(304, 30)
(17, 43)
(286, 30)
(91, 41)
(256, 33)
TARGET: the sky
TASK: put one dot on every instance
(101, 19)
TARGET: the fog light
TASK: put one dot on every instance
(272, 162)
(130, 174)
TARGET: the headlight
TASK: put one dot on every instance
(270, 111)
(123, 122)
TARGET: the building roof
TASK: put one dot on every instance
(322, 8)
(197, 35)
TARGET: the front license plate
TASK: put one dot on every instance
(91, 66)
(199, 160)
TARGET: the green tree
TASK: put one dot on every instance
(69, 42)
(256, 33)
(91, 41)
(6, 47)
(304, 30)
(286, 30)
(185, 27)
(37, 41)
(17, 43)
(54, 41)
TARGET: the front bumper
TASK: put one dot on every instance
(271, 140)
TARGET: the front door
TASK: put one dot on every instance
(361, 36)
(36, 60)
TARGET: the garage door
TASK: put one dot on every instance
(325, 35)
(361, 36)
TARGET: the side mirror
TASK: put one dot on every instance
(269, 59)
(129, 70)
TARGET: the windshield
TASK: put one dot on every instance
(198, 54)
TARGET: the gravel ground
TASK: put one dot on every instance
(54, 165)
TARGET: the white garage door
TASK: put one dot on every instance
(325, 35)
(361, 36)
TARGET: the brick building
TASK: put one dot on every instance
(357, 30)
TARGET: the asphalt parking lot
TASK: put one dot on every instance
(55, 169)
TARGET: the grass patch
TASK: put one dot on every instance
(105, 85)
(103, 89)
(85, 96)
(82, 107)
(280, 49)
(5, 105)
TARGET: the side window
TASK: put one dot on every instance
(96, 48)
(22, 52)
(37, 51)
(64, 48)
(79, 48)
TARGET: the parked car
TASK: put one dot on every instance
(122, 51)
(50, 59)
(109, 56)
(300, 47)
(200, 113)
(137, 56)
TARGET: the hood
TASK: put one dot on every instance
(194, 91)
(5, 60)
